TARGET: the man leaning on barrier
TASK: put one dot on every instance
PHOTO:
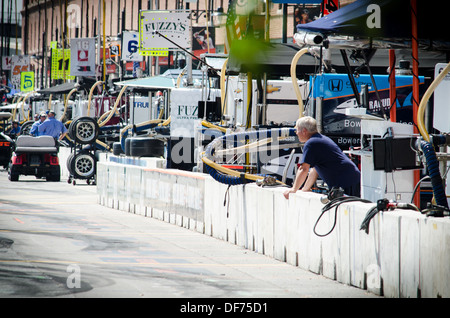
(322, 157)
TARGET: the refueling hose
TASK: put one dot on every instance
(434, 173)
(67, 102)
(294, 79)
(112, 111)
(424, 101)
(23, 103)
(90, 95)
(427, 147)
(229, 176)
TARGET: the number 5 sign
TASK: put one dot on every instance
(27, 81)
(130, 46)
(19, 64)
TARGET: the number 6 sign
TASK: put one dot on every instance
(130, 46)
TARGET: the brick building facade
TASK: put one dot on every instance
(46, 21)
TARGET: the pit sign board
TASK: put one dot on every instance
(130, 47)
(19, 64)
(156, 28)
(61, 64)
(27, 81)
(82, 57)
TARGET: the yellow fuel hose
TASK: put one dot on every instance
(233, 173)
(92, 93)
(112, 111)
(165, 123)
(23, 103)
(67, 102)
(424, 101)
(209, 125)
(15, 108)
(297, 56)
(180, 76)
(49, 105)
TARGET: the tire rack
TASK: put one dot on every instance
(81, 164)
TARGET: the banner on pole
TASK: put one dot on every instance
(130, 46)
(161, 31)
(27, 81)
(61, 64)
(82, 57)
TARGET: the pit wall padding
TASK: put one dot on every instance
(405, 254)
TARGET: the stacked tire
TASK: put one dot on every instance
(144, 147)
(81, 165)
(84, 130)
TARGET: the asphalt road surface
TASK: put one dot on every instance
(56, 241)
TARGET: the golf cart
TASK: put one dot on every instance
(36, 156)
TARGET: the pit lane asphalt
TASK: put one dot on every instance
(56, 241)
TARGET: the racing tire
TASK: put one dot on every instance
(128, 146)
(55, 174)
(146, 147)
(13, 175)
(69, 164)
(117, 149)
(26, 127)
(83, 165)
(84, 130)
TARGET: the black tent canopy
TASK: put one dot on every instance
(389, 21)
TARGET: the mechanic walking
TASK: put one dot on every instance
(52, 127)
(34, 131)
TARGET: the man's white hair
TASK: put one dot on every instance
(308, 123)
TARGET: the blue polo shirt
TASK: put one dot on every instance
(330, 162)
(34, 128)
(52, 127)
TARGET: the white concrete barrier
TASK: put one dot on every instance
(405, 254)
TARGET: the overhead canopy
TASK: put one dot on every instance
(11, 106)
(84, 83)
(58, 89)
(388, 20)
(167, 80)
(155, 82)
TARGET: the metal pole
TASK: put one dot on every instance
(392, 85)
(104, 41)
(415, 56)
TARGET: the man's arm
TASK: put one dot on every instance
(312, 177)
(300, 178)
(61, 137)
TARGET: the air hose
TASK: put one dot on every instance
(139, 127)
(434, 173)
(229, 176)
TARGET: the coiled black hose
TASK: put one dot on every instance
(434, 173)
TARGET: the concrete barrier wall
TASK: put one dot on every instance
(405, 254)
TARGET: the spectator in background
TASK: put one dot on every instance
(52, 127)
(15, 130)
(35, 128)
